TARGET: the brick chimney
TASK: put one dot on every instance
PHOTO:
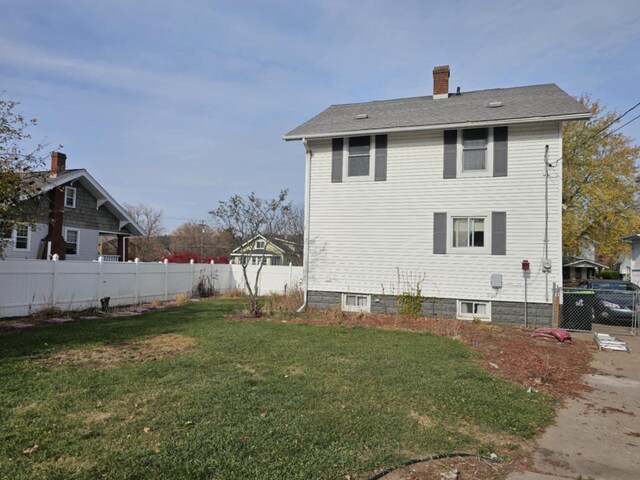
(58, 163)
(441, 82)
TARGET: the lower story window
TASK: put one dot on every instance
(71, 241)
(22, 238)
(258, 260)
(356, 303)
(469, 310)
(468, 232)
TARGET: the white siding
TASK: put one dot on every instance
(87, 244)
(364, 236)
(35, 236)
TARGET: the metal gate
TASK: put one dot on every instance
(613, 311)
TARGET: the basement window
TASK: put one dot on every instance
(356, 303)
(470, 310)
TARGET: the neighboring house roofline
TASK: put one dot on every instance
(581, 261)
(273, 241)
(420, 128)
(102, 196)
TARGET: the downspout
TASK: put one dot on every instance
(307, 216)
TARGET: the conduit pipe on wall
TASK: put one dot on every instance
(307, 196)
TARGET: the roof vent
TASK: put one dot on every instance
(495, 104)
(362, 116)
(458, 91)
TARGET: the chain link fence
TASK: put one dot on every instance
(588, 309)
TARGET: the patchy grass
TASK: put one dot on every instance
(245, 399)
(146, 350)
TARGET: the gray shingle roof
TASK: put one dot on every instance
(518, 104)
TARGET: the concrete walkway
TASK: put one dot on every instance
(597, 436)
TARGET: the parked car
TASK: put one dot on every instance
(614, 301)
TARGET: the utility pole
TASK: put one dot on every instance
(202, 224)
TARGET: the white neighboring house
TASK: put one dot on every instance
(630, 266)
(446, 192)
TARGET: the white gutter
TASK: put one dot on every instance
(576, 116)
(307, 216)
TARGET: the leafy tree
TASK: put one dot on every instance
(147, 247)
(17, 180)
(246, 218)
(600, 184)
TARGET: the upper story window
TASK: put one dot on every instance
(476, 152)
(260, 244)
(356, 159)
(474, 149)
(359, 158)
(70, 197)
(468, 232)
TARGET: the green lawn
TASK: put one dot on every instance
(249, 400)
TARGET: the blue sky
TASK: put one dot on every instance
(182, 104)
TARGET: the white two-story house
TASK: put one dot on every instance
(442, 193)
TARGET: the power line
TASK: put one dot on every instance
(584, 145)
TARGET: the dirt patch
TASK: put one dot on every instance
(97, 417)
(105, 356)
(508, 352)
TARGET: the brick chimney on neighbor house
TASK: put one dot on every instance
(441, 82)
(56, 208)
(58, 163)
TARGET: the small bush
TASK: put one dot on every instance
(287, 303)
(235, 293)
(204, 288)
(181, 298)
(610, 274)
(410, 304)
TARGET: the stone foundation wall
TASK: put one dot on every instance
(538, 314)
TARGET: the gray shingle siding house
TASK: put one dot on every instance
(77, 219)
(445, 193)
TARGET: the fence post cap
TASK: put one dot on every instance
(55, 257)
(100, 259)
(212, 262)
(192, 261)
(166, 260)
(137, 260)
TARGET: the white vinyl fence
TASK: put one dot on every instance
(27, 286)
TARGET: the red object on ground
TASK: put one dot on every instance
(557, 333)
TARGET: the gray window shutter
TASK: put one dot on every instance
(500, 151)
(381, 158)
(450, 151)
(439, 233)
(498, 233)
(336, 159)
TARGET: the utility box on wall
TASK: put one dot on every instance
(496, 280)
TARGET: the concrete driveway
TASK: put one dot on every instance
(596, 436)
